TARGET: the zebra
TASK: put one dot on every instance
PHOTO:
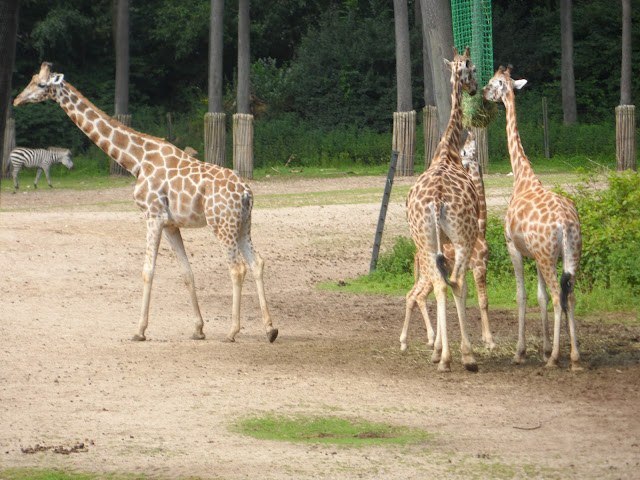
(37, 158)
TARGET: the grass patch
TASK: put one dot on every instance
(34, 474)
(332, 430)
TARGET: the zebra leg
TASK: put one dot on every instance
(16, 171)
(38, 173)
(46, 172)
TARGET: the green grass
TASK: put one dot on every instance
(333, 430)
(36, 474)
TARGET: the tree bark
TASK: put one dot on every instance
(403, 56)
(625, 74)
(243, 145)
(404, 141)
(436, 20)
(243, 57)
(122, 58)
(568, 80)
(214, 119)
(8, 31)
(429, 98)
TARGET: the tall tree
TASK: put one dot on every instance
(404, 120)
(243, 120)
(568, 79)
(8, 31)
(214, 122)
(625, 73)
(436, 20)
(625, 112)
(121, 103)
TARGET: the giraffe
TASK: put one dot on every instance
(173, 190)
(442, 207)
(479, 257)
(539, 224)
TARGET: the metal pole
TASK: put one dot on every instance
(383, 211)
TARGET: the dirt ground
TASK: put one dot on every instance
(70, 292)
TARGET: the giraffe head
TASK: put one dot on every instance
(500, 85)
(42, 87)
(462, 70)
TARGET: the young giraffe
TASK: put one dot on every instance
(173, 190)
(442, 206)
(539, 224)
(479, 257)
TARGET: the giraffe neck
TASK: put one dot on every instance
(522, 171)
(121, 143)
(453, 134)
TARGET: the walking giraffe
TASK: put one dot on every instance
(539, 224)
(173, 190)
(479, 258)
(442, 207)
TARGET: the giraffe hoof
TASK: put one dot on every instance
(138, 338)
(272, 335)
(229, 340)
(551, 364)
(576, 367)
(198, 336)
(443, 367)
(471, 367)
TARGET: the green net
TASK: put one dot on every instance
(472, 27)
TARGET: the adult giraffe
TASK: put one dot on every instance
(479, 258)
(442, 207)
(173, 190)
(539, 224)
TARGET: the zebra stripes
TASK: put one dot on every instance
(22, 157)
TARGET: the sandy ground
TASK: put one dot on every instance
(70, 296)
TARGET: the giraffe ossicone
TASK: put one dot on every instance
(173, 190)
(540, 224)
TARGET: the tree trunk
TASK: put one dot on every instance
(243, 57)
(429, 98)
(214, 120)
(9, 144)
(568, 80)
(404, 141)
(122, 58)
(625, 74)
(436, 20)
(8, 31)
(243, 144)
(215, 138)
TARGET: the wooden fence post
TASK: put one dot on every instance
(482, 148)
(383, 211)
(114, 167)
(243, 144)
(404, 141)
(215, 138)
(430, 127)
(626, 137)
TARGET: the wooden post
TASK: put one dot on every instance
(626, 137)
(9, 144)
(243, 144)
(214, 138)
(545, 128)
(482, 148)
(430, 127)
(383, 211)
(404, 141)
(114, 167)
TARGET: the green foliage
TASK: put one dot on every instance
(610, 221)
(398, 259)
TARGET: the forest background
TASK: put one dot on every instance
(322, 75)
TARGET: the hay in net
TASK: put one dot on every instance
(476, 113)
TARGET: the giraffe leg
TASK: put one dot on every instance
(480, 277)
(575, 354)
(460, 293)
(441, 352)
(256, 263)
(175, 240)
(521, 297)
(543, 301)
(422, 304)
(417, 295)
(154, 231)
(238, 271)
(548, 272)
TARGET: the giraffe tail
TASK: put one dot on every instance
(441, 262)
(565, 289)
(566, 283)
